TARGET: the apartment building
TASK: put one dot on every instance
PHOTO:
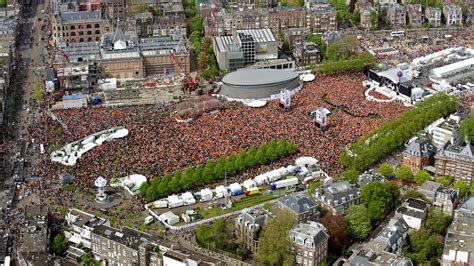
(306, 53)
(322, 19)
(117, 9)
(456, 161)
(459, 240)
(433, 16)
(415, 15)
(338, 196)
(302, 207)
(296, 35)
(145, 25)
(396, 14)
(453, 14)
(417, 155)
(447, 132)
(80, 225)
(80, 26)
(309, 243)
(365, 20)
(413, 212)
(249, 225)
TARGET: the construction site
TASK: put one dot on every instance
(111, 66)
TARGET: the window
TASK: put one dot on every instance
(97, 32)
(73, 27)
(89, 26)
(97, 26)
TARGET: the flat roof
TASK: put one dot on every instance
(252, 77)
(440, 71)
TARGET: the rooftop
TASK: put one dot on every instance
(79, 16)
(126, 236)
(420, 148)
(298, 204)
(310, 234)
(416, 204)
(80, 218)
(255, 77)
(459, 243)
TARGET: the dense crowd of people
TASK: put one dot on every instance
(157, 144)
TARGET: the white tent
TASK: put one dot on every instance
(170, 218)
(249, 183)
(302, 161)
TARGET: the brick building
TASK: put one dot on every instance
(306, 53)
(417, 155)
(456, 161)
(396, 15)
(309, 243)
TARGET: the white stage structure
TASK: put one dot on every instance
(100, 183)
(69, 154)
(285, 99)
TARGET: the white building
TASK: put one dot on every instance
(453, 69)
(81, 225)
(413, 212)
(448, 131)
(453, 14)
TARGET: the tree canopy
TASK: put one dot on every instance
(462, 186)
(386, 169)
(422, 176)
(59, 245)
(358, 222)
(467, 129)
(337, 230)
(392, 135)
(445, 180)
(404, 173)
(423, 246)
(378, 197)
(212, 171)
(274, 244)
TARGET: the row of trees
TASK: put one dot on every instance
(404, 173)
(377, 198)
(353, 63)
(215, 170)
(391, 135)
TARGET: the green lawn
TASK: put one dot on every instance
(3, 3)
(243, 203)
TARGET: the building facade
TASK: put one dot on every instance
(413, 212)
(81, 225)
(447, 132)
(80, 26)
(433, 16)
(365, 18)
(415, 15)
(456, 161)
(248, 227)
(322, 19)
(309, 243)
(125, 246)
(453, 14)
(296, 35)
(306, 53)
(338, 196)
(417, 155)
(396, 15)
(145, 25)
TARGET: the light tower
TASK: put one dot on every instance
(321, 118)
(285, 99)
(100, 183)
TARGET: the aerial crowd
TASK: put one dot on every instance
(157, 144)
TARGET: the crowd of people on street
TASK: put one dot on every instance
(157, 144)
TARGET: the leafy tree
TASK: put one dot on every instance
(37, 94)
(438, 222)
(319, 42)
(422, 176)
(291, 148)
(378, 197)
(144, 187)
(461, 186)
(312, 187)
(445, 180)
(59, 244)
(285, 46)
(358, 222)
(337, 230)
(350, 175)
(274, 243)
(467, 129)
(386, 169)
(373, 20)
(411, 193)
(64, 211)
(423, 246)
(404, 173)
(355, 18)
(472, 188)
